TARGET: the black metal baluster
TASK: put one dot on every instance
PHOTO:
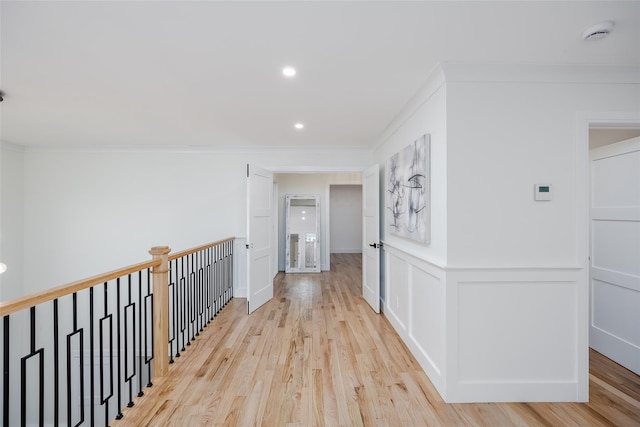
(225, 279)
(187, 302)
(183, 305)
(5, 375)
(92, 369)
(196, 296)
(56, 366)
(225, 294)
(148, 316)
(129, 352)
(231, 270)
(171, 320)
(80, 333)
(221, 276)
(104, 400)
(209, 286)
(224, 274)
(23, 375)
(175, 307)
(201, 290)
(118, 352)
(213, 282)
(141, 324)
(219, 279)
(216, 290)
(191, 282)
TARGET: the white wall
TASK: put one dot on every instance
(87, 212)
(310, 183)
(503, 138)
(346, 218)
(426, 113)
(521, 262)
(11, 220)
(508, 273)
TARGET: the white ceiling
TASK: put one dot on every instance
(208, 73)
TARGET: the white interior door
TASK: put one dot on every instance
(260, 239)
(615, 252)
(371, 237)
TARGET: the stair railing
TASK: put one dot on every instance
(76, 354)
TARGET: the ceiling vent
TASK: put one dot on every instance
(598, 31)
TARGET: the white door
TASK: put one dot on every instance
(259, 237)
(615, 252)
(371, 238)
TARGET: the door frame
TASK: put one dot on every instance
(584, 122)
(325, 210)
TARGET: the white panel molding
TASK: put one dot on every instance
(554, 323)
(501, 369)
(615, 214)
(629, 281)
(394, 282)
(407, 265)
(408, 250)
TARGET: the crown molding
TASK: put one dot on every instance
(433, 83)
(457, 72)
(190, 149)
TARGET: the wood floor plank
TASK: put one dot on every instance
(317, 355)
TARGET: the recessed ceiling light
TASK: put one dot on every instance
(598, 31)
(298, 126)
(289, 71)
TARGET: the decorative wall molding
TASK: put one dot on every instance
(490, 334)
(537, 73)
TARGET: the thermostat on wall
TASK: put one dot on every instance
(542, 192)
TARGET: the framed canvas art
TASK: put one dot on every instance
(408, 193)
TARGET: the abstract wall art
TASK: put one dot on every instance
(408, 192)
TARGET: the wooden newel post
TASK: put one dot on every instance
(160, 280)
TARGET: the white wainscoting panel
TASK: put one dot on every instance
(516, 335)
(426, 329)
(492, 334)
(414, 304)
(397, 292)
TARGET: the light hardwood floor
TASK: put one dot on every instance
(317, 355)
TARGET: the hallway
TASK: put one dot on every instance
(318, 355)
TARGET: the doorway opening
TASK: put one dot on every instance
(614, 241)
(322, 184)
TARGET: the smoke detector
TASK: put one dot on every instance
(598, 31)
